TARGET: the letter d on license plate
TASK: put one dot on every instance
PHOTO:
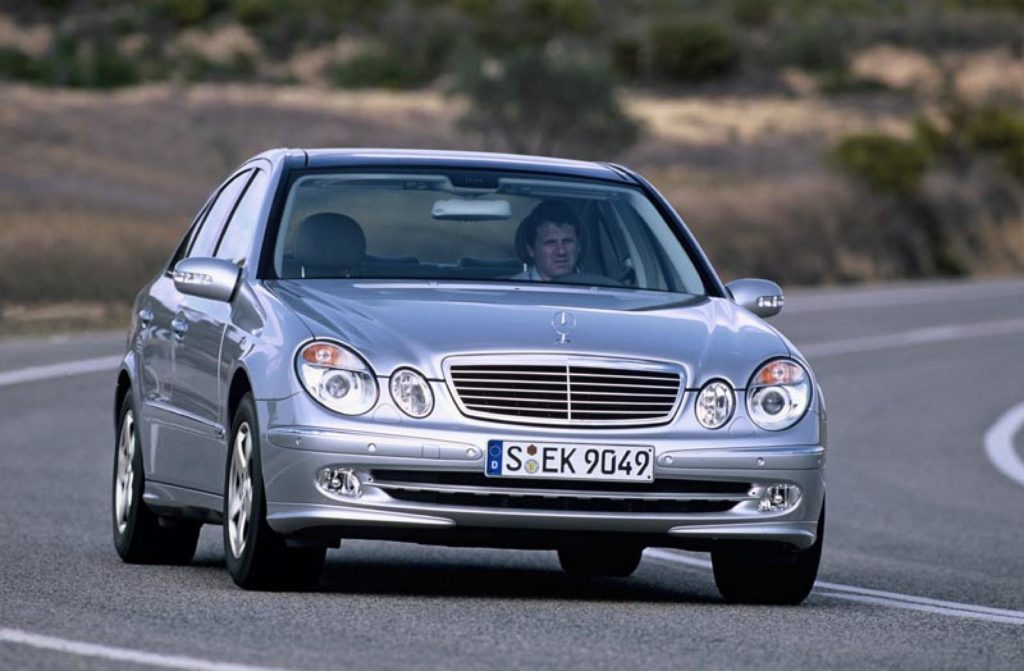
(516, 459)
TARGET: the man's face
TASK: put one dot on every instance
(555, 249)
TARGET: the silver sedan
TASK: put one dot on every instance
(462, 349)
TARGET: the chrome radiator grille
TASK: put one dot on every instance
(578, 391)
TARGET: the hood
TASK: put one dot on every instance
(393, 324)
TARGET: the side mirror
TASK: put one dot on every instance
(216, 279)
(762, 297)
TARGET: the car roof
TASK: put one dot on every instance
(473, 160)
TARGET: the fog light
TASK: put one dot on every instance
(779, 498)
(339, 482)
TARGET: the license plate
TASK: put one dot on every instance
(518, 459)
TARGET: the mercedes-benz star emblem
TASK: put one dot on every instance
(563, 322)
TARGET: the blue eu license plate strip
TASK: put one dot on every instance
(494, 457)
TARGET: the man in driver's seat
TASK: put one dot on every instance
(549, 241)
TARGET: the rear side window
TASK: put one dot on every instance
(209, 231)
(237, 238)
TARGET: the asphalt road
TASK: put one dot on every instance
(923, 564)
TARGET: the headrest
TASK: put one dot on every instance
(549, 210)
(329, 242)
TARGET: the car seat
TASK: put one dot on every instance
(328, 244)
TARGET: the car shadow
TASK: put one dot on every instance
(446, 575)
(478, 581)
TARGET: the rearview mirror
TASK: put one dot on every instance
(471, 210)
(215, 279)
(762, 297)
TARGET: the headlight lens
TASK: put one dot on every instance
(411, 392)
(715, 404)
(778, 395)
(337, 377)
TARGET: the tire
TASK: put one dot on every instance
(140, 536)
(767, 573)
(609, 561)
(256, 556)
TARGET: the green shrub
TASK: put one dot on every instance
(994, 129)
(107, 68)
(627, 57)
(753, 12)
(815, 44)
(254, 12)
(195, 67)
(834, 82)
(173, 12)
(930, 138)
(18, 66)
(380, 68)
(1013, 159)
(72, 63)
(689, 51)
(547, 102)
(888, 164)
(505, 26)
(1000, 130)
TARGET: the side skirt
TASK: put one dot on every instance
(174, 501)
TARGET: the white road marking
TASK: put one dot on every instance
(921, 336)
(56, 370)
(121, 654)
(999, 444)
(875, 596)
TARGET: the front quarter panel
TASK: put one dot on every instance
(261, 340)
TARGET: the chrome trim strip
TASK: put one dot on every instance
(289, 517)
(213, 427)
(556, 493)
(800, 534)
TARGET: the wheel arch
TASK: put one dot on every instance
(240, 386)
(124, 386)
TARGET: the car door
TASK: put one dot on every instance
(185, 436)
(203, 354)
(154, 314)
(155, 347)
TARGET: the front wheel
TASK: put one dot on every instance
(610, 561)
(140, 536)
(256, 556)
(767, 573)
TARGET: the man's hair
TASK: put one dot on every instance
(554, 211)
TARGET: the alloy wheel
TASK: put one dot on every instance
(125, 480)
(240, 490)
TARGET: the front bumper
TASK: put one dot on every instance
(488, 512)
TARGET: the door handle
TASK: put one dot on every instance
(145, 317)
(180, 327)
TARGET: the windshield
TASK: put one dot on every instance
(478, 226)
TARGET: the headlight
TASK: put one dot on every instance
(411, 392)
(778, 395)
(337, 377)
(715, 404)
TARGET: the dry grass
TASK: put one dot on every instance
(977, 75)
(66, 317)
(66, 255)
(744, 120)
